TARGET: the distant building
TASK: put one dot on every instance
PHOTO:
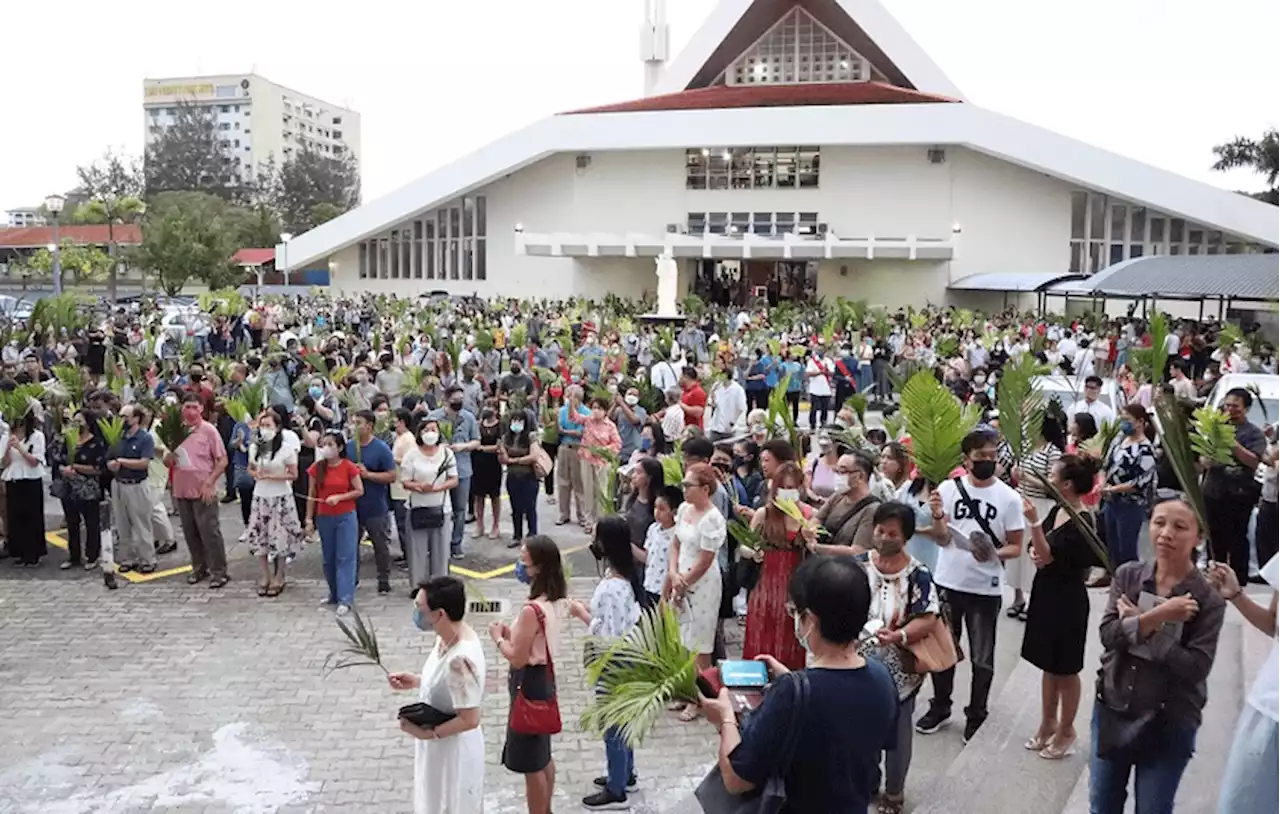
(25, 216)
(256, 118)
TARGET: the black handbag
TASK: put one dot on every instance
(426, 517)
(772, 797)
(1125, 736)
(425, 715)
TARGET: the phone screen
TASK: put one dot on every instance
(750, 674)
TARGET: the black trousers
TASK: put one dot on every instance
(977, 614)
(1229, 532)
(819, 406)
(1265, 535)
(24, 507)
(246, 502)
(76, 511)
(843, 391)
(549, 482)
(794, 400)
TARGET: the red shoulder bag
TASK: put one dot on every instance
(529, 717)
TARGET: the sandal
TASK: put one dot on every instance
(1022, 615)
(1035, 743)
(218, 582)
(890, 805)
(263, 588)
(1015, 609)
(275, 590)
(1059, 751)
(690, 714)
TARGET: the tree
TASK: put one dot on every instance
(188, 156)
(114, 188)
(86, 263)
(190, 234)
(256, 226)
(1262, 156)
(310, 187)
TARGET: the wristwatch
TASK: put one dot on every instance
(904, 636)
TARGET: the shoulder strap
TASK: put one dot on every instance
(542, 626)
(800, 707)
(975, 510)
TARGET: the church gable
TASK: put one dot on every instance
(798, 49)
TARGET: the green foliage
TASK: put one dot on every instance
(858, 403)
(112, 430)
(948, 347)
(187, 157)
(1230, 336)
(1179, 453)
(1258, 155)
(84, 263)
(1099, 445)
(1085, 524)
(71, 438)
(171, 430)
(893, 425)
(236, 408)
(189, 234)
(310, 187)
(1147, 363)
(672, 469)
(606, 496)
(253, 395)
(1214, 437)
(639, 674)
(1022, 406)
(63, 312)
(692, 305)
(484, 340)
(937, 425)
(361, 648)
(14, 404)
(225, 302)
(72, 380)
(778, 415)
(744, 535)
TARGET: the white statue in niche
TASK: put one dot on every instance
(667, 272)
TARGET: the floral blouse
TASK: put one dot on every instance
(896, 599)
(1132, 463)
(614, 609)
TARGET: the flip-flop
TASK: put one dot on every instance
(262, 590)
(1014, 610)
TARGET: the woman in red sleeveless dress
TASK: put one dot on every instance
(769, 628)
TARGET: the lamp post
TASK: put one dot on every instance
(285, 237)
(54, 204)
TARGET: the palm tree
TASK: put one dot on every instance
(1260, 155)
(112, 210)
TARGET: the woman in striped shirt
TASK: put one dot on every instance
(1019, 572)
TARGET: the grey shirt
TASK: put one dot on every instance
(465, 429)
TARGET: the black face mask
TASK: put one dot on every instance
(984, 470)
(455, 406)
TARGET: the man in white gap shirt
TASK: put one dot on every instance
(969, 580)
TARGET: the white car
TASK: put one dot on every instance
(1067, 390)
(181, 325)
(15, 308)
(1265, 410)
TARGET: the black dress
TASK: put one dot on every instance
(1058, 613)
(486, 472)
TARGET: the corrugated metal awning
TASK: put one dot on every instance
(1011, 281)
(1229, 276)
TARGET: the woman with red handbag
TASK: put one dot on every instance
(529, 646)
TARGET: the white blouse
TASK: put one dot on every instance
(657, 547)
(18, 468)
(707, 533)
(275, 465)
(419, 467)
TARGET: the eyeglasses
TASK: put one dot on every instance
(688, 485)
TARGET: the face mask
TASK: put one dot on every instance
(327, 453)
(191, 416)
(517, 427)
(632, 400)
(455, 405)
(430, 438)
(522, 573)
(267, 434)
(984, 470)
(803, 638)
(420, 620)
(887, 548)
(788, 494)
(841, 483)
(316, 392)
(646, 444)
(979, 379)
(612, 388)
(1126, 428)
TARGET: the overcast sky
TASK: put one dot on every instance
(1158, 80)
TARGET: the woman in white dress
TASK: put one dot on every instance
(448, 760)
(693, 579)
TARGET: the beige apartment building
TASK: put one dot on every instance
(256, 118)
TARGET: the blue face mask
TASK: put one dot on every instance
(646, 444)
(1126, 428)
(522, 573)
(316, 392)
(420, 619)
(517, 427)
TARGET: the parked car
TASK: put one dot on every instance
(1067, 390)
(1266, 402)
(182, 325)
(16, 308)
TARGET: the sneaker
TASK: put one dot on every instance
(66, 566)
(91, 565)
(384, 586)
(971, 726)
(605, 800)
(456, 555)
(243, 536)
(603, 782)
(342, 610)
(933, 720)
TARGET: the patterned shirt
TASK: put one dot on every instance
(896, 599)
(602, 433)
(1135, 464)
(614, 609)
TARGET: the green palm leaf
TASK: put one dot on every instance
(1084, 524)
(72, 379)
(937, 425)
(1022, 407)
(363, 650)
(1179, 451)
(112, 430)
(1214, 437)
(638, 675)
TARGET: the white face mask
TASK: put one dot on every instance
(979, 379)
(632, 401)
(430, 438)
(803, 638)
(327, 453)
(841, 483)
(789, 494)
(267, 434)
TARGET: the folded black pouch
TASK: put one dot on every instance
(424, 715)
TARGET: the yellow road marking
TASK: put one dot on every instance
(497, 572)
(131, 576)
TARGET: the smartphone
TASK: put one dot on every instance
(743, 674)
(705, 687)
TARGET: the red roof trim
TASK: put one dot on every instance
(253, 257)
(736, 96)
(35, 237)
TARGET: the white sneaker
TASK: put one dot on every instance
(342, 610)
(244, 536)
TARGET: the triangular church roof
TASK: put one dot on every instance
(866, 25)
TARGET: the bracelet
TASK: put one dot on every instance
(1234, 596)
(939, 516)
(904, 636)
(1036, 524)
(723, 724)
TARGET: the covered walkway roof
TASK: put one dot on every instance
(1017, 281)
(1214, 276)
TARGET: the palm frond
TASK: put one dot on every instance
(235, 407)
(744, 535)
(937, 425)
(172, 430)
(413, 376)
(1084, 524)
(858, 402)
(363, 650)
(1021, 405)
(606, 496)
(72, 379)
(112, 430)
(893, 426)
(672, 470)
(779, 415)
(638, 675)
(1100, 445)
(253, 395)
(71, 438)
(1180, 453)
(1214, 437)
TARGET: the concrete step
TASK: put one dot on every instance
(994, 772)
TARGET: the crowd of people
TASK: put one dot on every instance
(402, 422)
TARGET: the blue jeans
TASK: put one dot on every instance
(1155, 781)
(621, 761)
(1123, 522)
(1249, 782)
(461, 496)
(339, 545)
(523, 491)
